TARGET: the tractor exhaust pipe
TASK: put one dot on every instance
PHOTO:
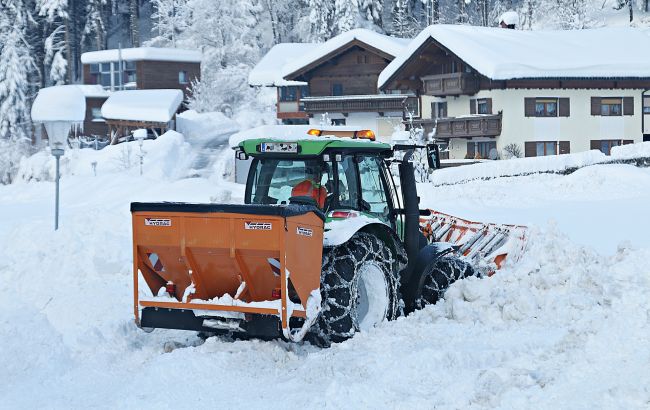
(411, 214)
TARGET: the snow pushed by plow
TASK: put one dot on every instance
(566, 326)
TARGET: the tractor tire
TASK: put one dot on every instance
(359, 289)
(438, 276)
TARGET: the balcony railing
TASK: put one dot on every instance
(481, 125)
(363, 103)
(450, 84)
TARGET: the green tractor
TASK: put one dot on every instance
(376, 263)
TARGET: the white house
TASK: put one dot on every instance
(545, 92)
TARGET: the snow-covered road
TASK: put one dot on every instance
(568, 326)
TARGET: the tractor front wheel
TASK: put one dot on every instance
(438, 276)
(358, 289)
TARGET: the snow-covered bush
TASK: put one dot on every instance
(512, 150)
(11, 153)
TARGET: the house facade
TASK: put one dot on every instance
(342, 76)
(144, 68)
(487, 92)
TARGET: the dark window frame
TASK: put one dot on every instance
(337, 89)
(546, 103)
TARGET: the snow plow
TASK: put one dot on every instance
(328, 243)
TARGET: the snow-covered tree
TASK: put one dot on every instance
(95, 24)
(321, 19)
(346, 15)
(629, 4)
(170, 19)
(403, 24)
(373, 11)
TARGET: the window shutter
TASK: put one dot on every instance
(489, 105)
(625, 142)
(472, 106)
(565, 107)
(565, 147)
(529, 107)
(628, 105)
(530, 149)
(433, 110)
(470, 150)
(595, 105)
(595, 144)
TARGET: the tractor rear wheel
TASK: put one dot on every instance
(438, 276)
(359, 289)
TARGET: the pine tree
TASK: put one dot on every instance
(321, 19)
(95, 24)
(373, 10)
(404, 24)
(346, 15)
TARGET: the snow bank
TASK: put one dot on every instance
(506, 54)
(143, 105)
(525, 166)
(142, 53)
(285, 132)
(204, 125)
(61, 103)
(166, 157)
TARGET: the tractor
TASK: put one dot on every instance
(328, 243)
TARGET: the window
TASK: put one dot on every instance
(348, 184)
(543, 148)
(646, 105)
(96, 113)
(546, 108)
(482, 106)
(605, 146)
(611, 107)
(182, 77)
(373, 194)
(482, 150)
(274, 179)
(108, 75)
(362, 59)
(94, 68)
(442, 110)
(338, 121)
(304, 91)
(337, 89)
(288, 94)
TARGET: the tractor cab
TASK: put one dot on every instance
(343, 173)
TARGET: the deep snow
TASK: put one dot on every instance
(568, 326)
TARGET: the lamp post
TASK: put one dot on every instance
(140, 135)
(57, 151)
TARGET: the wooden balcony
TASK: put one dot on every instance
(380, 103)
(450, 84)
(482, 125)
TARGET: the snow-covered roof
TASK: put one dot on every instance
(93, 90)
(502, 54)
(142, 105)
(268, 72)
(389, 45)
(509, 18)
(142, 53)
(61, 103)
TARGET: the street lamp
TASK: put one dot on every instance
(140, 135)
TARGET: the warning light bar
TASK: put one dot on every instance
(358, 134)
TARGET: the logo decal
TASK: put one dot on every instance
(304, 231)
(258, 226)
(157, 222)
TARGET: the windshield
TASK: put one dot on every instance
(274, 181)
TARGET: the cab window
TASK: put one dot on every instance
(373, 194)
(348, 185)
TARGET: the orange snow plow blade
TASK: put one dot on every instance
(222, 266)
(484, 244)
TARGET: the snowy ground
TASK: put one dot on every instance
(568, 326)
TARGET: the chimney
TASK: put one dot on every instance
(509, 19)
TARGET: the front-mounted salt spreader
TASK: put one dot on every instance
(328, 243)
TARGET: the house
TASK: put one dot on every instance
(145, 68)
(342, 76)
(488, 91)
(268, 73)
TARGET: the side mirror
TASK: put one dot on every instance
(241, 155)
(433, 156)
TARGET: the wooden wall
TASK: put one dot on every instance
(153, 75)
(356, 69)
(90, 127)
